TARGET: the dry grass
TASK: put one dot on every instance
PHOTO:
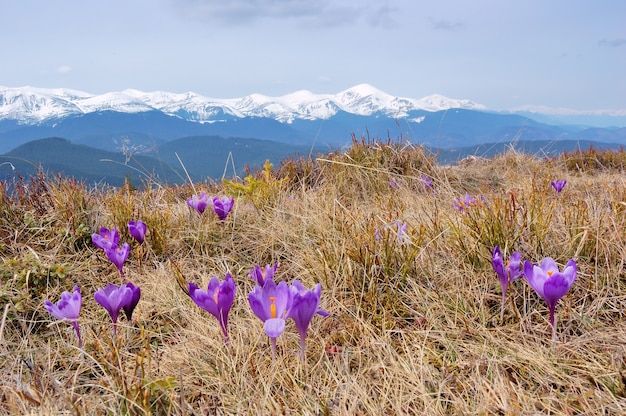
(415, 323)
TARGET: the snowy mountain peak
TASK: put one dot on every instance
(438, 102)
(364, 90)
(29, 105)
(113, 101)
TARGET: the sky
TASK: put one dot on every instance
(503, 54)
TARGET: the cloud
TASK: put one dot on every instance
(320, 13)
(383, 16)
(64, 69)
(612, 43)
(446, 25)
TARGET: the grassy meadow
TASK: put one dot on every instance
(414, 325)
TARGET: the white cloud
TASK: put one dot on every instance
(613, 43)
(64, 69)
(446, 25)
(317, 13)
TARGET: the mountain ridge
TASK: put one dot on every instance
(31, 105)
(299, 118)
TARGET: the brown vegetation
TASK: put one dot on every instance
(415, 322)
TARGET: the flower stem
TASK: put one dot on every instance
(302, 346)
(273, 343)
(80, 339)
(224, 332)
(553, 323)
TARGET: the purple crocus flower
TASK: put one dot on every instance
(467, 202)
(402, 236)
(68, 308)
(134, 300)
(113, 299)
(506, 272)
(137, 229)
(199, 203)
(558, 185)
(106, 238)
(427, 181)
(305, 305)
(261, 275)
(270, 304)
(217, 299)
(550, 283)
(118, 256)
(222, 206)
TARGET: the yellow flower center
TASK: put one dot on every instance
(217, 291)
(550, 273)
(272, 307)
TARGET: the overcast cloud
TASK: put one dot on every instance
(558, 53)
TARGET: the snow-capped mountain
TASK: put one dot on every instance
(28, 105)
(33, 105)
(149, 119)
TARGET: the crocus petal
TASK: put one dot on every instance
(304, 307)
(274, 327)
(68, 307)
(226, 295)
(213, 285)
(554, 289)
(270, 301)
(113, 299)
(255, 299)
(100, 241)
(302, 311)
(513, 267)
(217, 300)
(536, 277)
(498, 265)
(137, 230)
(133, 301)
(322, 312)
(549, 265)
(260, 275)
(297, 286)
(558, 185)
(282, 300)
(106, 238)
(257, 275)
(202, 299)
(198, 203)
(118, 255)
(569, 272)
(222, 206)
(53, 309)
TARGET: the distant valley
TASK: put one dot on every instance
(209, 158)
